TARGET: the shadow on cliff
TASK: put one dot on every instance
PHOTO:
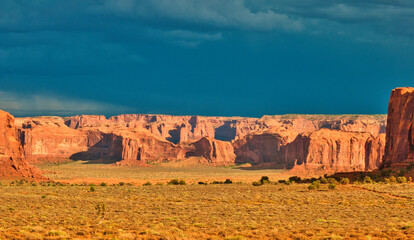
(107, 150)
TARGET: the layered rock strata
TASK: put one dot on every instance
(12, 163)
(400, 128)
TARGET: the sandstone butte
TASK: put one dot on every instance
(137, 139)
(399, 149)
(12, 164)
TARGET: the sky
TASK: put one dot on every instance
(214, 58)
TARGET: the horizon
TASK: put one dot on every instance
(180, 57)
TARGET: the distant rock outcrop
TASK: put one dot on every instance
(215, 152)
(137, 139)
(399, 147)
(12, 163)
(335, 151)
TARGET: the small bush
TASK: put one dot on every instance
(410, 179)
(332, 186)
(202, 183)
(401, 179)
(228, 181)
(92, 188)
(393, 179)
(387, 180)
(367, 180)
(121, 183)
(332, 181)
(295, 179)
(317, 184)
(257, 184)
(147, 184)
(264, 180)
(312, 187)
(176, 182)
(43, 196)
(281, 181)
(103, 184)
(344, 181)
(323, 180)
(217, 182)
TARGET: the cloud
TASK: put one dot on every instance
(206, 17)
(48, 104)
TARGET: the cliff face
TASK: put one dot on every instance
(400, 127)
(49, 139)
(12, 164)
(135, 139)
(214, 152)
(263, 147)
(335, 151)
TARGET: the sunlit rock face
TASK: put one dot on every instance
(136, 139)
(335, 151)
(400, 127)
(12, 163)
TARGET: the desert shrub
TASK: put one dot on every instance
(43, 196)
(323, 180)
(332, 186)
(228, 181)
(147, 184)
(92, 188)
(367, 180)
(332, 181)
(159, 184)
(317, 184)
(121, 183)
(103, 184)
(217, 182)
(401, 179)
(295, 179)
(344, 181)
(312, 187)
(281, 181)
(393, 179)
(410, 179)
(202, 183)
(257, 183)
(264, 180)
(387, 180)
(33, 184)
(176, 182)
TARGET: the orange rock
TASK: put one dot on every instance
(215, 152)
(12, 163)
(264, 147)
(399, 147)
(335, 151)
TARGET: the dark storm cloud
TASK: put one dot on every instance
(130, 52)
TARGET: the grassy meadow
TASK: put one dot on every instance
(155, 210)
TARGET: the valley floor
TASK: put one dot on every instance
(193, 211)
(234, 211)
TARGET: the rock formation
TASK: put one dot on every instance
(136, 139)
(264, 147)
(400, 127)
(214, 152)
(336, 151)
(12, 164)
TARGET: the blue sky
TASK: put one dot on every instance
(188, 57)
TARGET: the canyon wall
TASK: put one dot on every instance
(12, 163)
(336, 151)
(399, 147)
(136, 139)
